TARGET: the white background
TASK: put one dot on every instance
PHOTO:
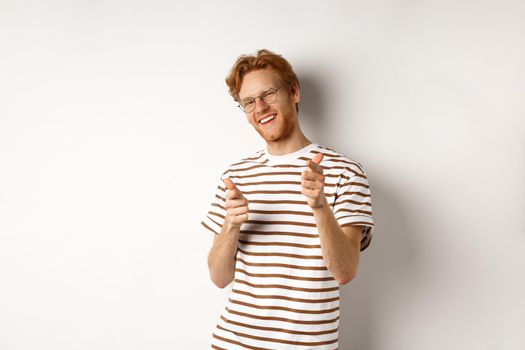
(115, 124)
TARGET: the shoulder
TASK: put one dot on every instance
(243, 163)
(336, 160)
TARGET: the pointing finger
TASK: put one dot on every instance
(233, 188)
(314, 163)
(229, 184)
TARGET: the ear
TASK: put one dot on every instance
(296, 93)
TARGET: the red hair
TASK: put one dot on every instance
(264, 59)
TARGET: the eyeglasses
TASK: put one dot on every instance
(269, 97)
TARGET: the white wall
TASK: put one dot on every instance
(115, 123)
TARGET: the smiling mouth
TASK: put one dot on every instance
(267, 119)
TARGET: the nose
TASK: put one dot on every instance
(260, 105)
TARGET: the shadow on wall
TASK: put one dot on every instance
(388, 267)
(312, 109)
(385, 282)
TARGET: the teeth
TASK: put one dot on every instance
(268, 118)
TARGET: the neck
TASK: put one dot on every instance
(288, 145)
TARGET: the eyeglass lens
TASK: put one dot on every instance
(268, 97)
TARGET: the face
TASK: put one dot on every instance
(284, 121)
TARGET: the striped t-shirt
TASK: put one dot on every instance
(283, 296)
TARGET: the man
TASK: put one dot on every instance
(289, 222)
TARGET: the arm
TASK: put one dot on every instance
(221, 258)
(340, 245)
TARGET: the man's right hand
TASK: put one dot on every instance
(236, 205)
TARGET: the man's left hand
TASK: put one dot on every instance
(313, 182)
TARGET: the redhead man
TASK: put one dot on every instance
(289, 221)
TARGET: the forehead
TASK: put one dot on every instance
(255, 82)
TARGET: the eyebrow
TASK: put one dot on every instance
(265, 90)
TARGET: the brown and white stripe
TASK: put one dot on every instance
(283, 296)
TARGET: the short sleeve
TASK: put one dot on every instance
(214, 218)
(353, 203)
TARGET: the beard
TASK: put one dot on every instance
(282, 129)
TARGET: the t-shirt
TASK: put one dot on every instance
(283, 296)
